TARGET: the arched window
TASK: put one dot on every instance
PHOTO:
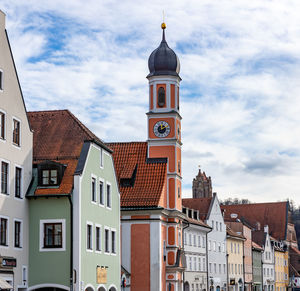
(161, 97)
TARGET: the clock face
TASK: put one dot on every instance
(161, 129)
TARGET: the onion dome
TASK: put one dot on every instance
(163, 60)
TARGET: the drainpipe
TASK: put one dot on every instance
(71, 242)
(227, 255)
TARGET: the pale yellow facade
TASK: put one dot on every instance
(235, 263)
(281, 270)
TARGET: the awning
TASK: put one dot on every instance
(4, 285)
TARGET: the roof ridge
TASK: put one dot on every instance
(48, 111)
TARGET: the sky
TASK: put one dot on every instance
(240, 88)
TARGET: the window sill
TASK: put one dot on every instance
(7, 194)
(16, 145)
(5, 246)
(89, 250)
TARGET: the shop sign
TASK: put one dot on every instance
(8, 262)
(101, 275)
(232, 282)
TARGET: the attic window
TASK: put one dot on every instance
(49, 177)
(190, 213)
(195, 215)
(50, 173)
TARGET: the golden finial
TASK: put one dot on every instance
(163, 25)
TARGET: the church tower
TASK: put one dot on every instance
(164, 141)
(164, 120)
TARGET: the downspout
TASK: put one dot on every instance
(227, 255)
(244, 265)
(207, 279)
(71, 243)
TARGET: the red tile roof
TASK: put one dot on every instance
(150, 177)
(232, 233)
(58, 136)
(58, 133)
(201, 204)
(273, 214)
(256, 246)
(259, 237)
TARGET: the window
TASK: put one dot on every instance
(4, 178)
(210, 267)
(199, 264)
(178, 192)
(98, 238)
(3, 231)
(238, 248)
(17, 234)
(93, 189)
(213, 224)
(209, 245)
(18, 179)
(224, 268)
(185, 238)
(1, 80)
(235, 268)
(108, 196)
(101, 194)
(49, 177)
(220, 226)
(217, 225)
(214, 246)
(220, 269)
(235, 248)
(195, 264)
(2, 125)
(161, 100)
(113, 242)
(190, 239)
(219, 247)
(203, 264)
(203, 241)
(190, 260)
(215, 267)
(89, 235)
(101, 157)
(199, 241)
(231, 247)
(16, 132)
(194, 240)
(52, 235)
(106, 240)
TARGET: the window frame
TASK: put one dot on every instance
(1, 80)
(20, 246)
(53, 235)
(20, 194)
(108, 195)
(7, 177)
(113, 243)
(101, 182)
(106, 240)
(93, 189)
(49, 177)
(16, 143)
(2, 125)
(6, 243)
(89, 239)
(98, 242)
(42, 234)
(101, 158)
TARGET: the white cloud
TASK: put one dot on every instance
(239, 65)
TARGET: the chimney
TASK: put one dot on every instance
(257, 225)
(266, 229)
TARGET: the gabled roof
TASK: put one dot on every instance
(145, 178)
(230, 232)
(58, 136)
(201, 204)
(274, 214)
(58, 133)
(256, 246)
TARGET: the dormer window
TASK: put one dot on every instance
(49, 177)
(161, 97)
(50, 173)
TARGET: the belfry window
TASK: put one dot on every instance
(161, 97)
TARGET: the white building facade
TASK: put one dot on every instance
(268, 263)
(16, 171)
(217, 266)
(195, 249)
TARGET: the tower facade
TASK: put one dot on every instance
(164, 120)
(202, 186)
(164, 141)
